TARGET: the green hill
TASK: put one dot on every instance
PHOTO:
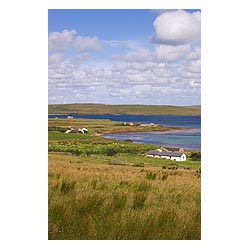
(123, 109)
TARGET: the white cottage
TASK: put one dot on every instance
(154, 153)
(77, 129)
(174, 156)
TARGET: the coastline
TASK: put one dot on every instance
(166, 129)
(71, 114)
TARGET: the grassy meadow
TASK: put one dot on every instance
(123, 109)
(96, 195)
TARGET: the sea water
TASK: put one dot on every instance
(189, 139)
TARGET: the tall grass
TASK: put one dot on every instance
(94, 214)
(101, 202)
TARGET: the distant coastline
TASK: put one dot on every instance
(105, 109)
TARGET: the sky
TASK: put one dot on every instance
(123, 56)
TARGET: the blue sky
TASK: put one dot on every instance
(124, 56)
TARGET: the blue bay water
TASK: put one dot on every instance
(189, 139)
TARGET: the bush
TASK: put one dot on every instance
(195, 156)
(128, 140)
(111, 151)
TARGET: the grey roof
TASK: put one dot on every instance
(154, 152)
(173, 149)
(74, 128)
(175, 154)
(164, 153)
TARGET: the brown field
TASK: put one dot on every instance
(100, 201)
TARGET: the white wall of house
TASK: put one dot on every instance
(183, 157)
(179, 158)
(166, 157)
(173, 158)
(150, 155)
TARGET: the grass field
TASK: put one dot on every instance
(95, 195)
(123, 109)
(90, 200)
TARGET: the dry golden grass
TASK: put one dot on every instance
(101, 201)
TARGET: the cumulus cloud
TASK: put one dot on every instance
(177, 27)
(166, 72)
(66, 40)
(194, 54)
(56, 58)
(61, 40)
(168, 53)
(141, 54)
(87, 43)
(125, 82)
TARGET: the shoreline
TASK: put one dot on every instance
(116, 115)
(168, 129)
(156, 131)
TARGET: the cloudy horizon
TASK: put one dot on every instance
(124, 57)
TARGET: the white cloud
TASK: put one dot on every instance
(56, 58)
(168, 53)
(141, 54)
(194, 54)
(194, 66)
(61, 40)
(87, 43)
(67, 40)
(169, 73)
(177, 27)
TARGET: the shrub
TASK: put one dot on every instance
(87, 153)
(111, 151)
(195, 156)
(127, 140)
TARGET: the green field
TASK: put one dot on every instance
(106, 189)
(123, 109)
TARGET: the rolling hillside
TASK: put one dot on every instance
(123, 109)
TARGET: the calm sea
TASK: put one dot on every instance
(189, 139)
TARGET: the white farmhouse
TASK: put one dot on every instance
(154, 153)
(174, 156)
(77, 129)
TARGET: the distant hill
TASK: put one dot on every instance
(123, 109)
